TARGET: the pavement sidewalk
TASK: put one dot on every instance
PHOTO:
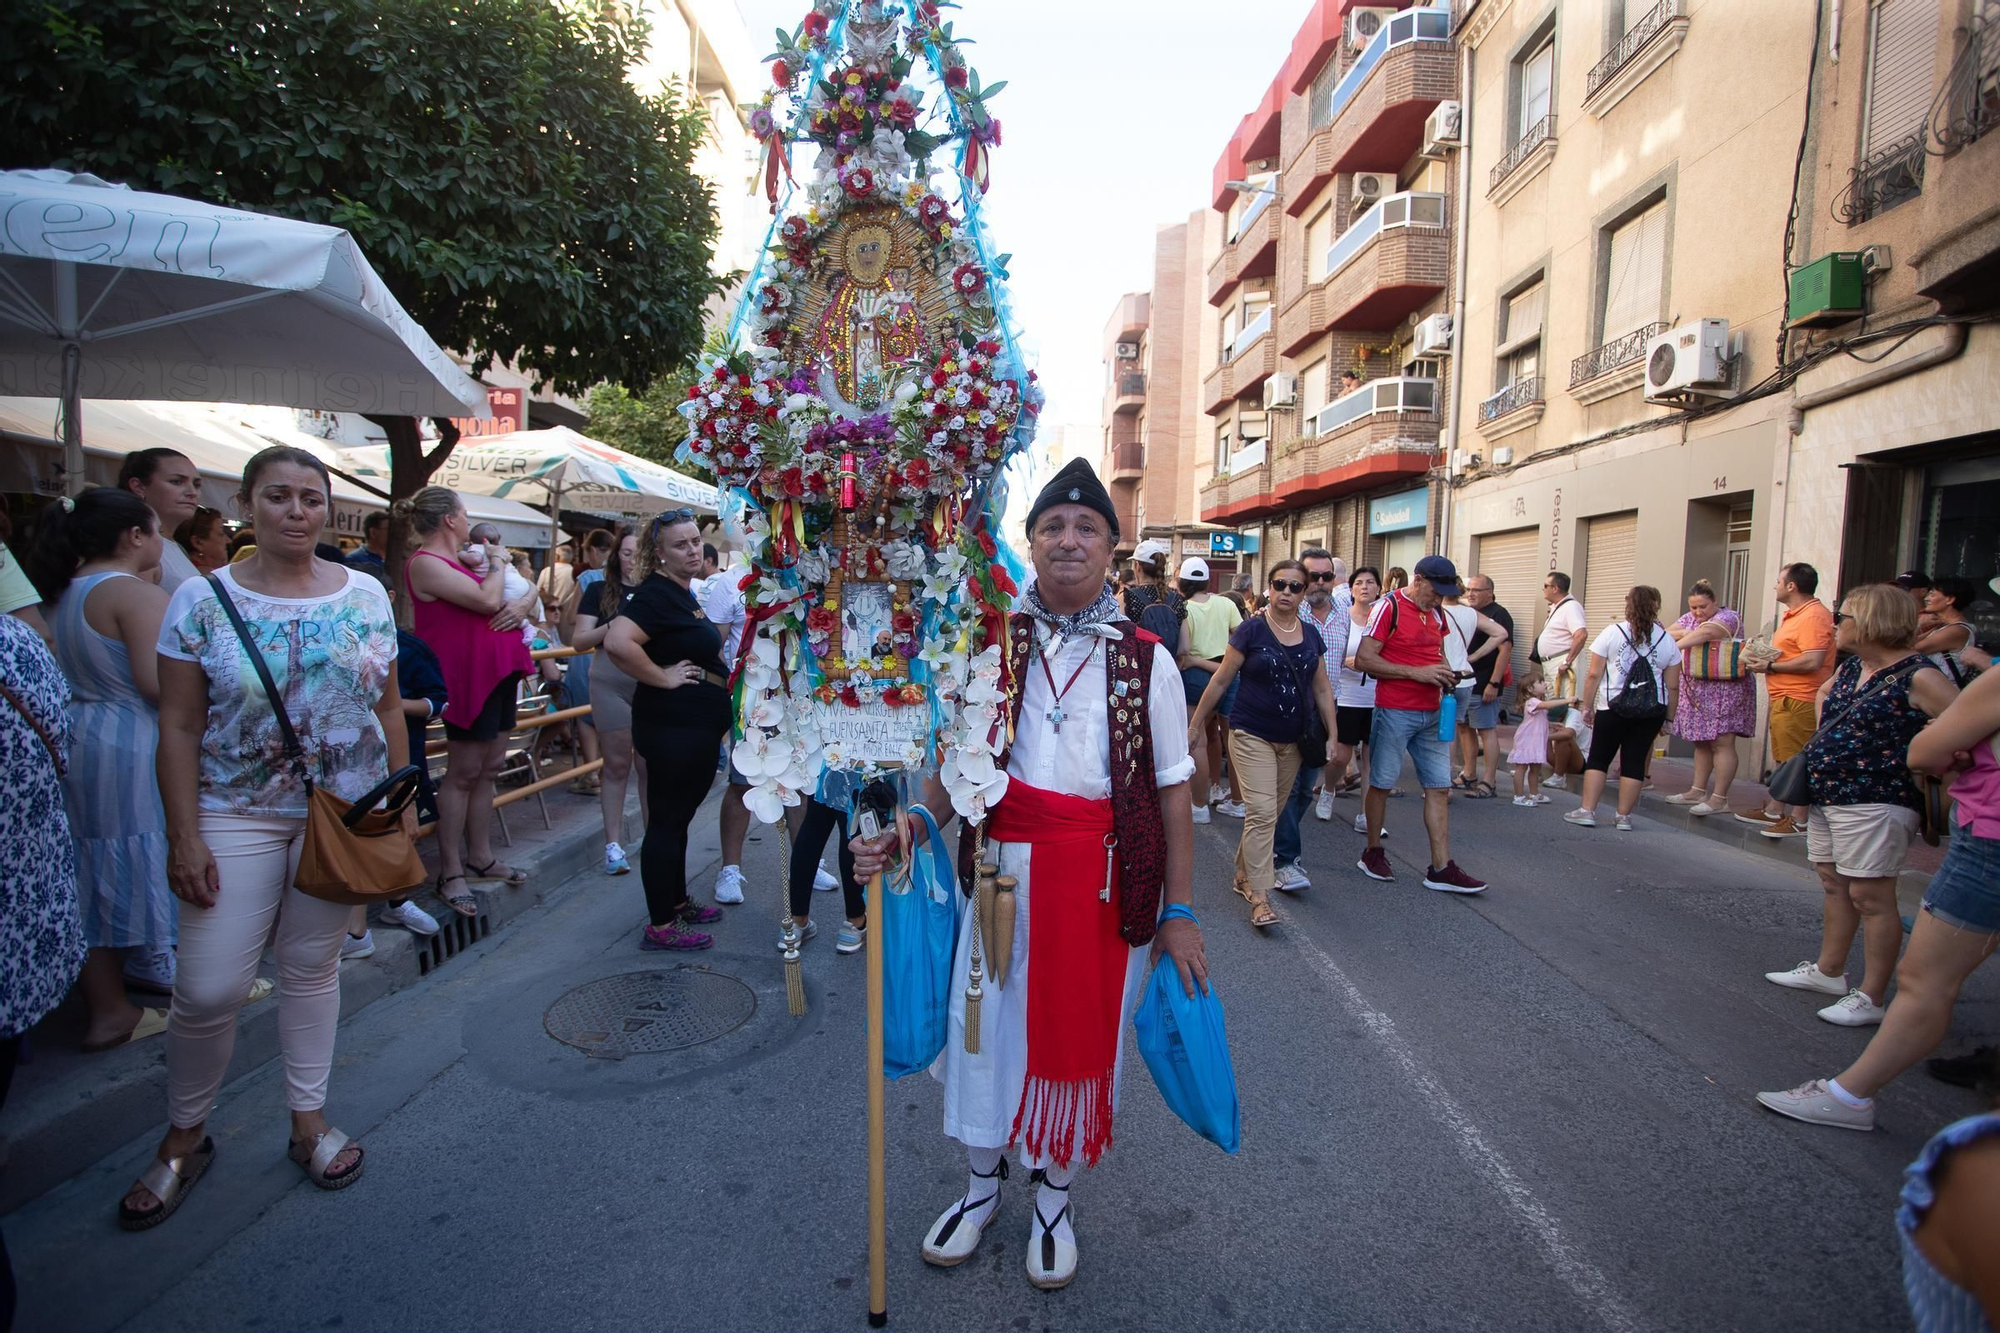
(67, 1109)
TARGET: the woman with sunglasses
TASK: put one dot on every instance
(1281, 661)
(680, 713)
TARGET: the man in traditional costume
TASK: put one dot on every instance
(1096, 828)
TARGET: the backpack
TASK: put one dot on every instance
(1639, 700)
(1159, 620)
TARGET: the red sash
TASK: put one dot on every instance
(1076, 971)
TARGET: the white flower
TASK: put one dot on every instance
(768, 711)
(795, 402)
(951, 560)
(938, 656)
(906, 390)
(755, 758)
(767, 800)
(939, 586)
(834, 757)
(972, 789)
(771, 592)
(905, 560)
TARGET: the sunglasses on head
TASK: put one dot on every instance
(671, 517)
(1287, 585)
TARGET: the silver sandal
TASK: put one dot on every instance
(316, 1155)
(169, 1181)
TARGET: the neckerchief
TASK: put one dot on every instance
(1094, 619)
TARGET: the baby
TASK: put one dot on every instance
(514, 586)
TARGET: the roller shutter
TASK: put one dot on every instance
(1610, 559)
(1509, 559)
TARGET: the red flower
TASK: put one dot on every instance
(821, 620)
(849, 697)
(893, 698)
(955, 77)
(860, 183)
(794, 484)
(986, 543)
(969, 279)
(816, 24)
(781, 73)
(826, 694)
(917, 472)
(903, 622)
(977, 398)
(1003, 581)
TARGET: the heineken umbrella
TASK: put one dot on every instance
(109, 292)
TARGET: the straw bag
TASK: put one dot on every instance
(354, 854)
(1716, 660)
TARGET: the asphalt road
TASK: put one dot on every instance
(1527, 1110)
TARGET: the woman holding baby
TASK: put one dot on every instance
(475, 631)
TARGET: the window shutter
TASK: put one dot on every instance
(1524, 316)
(1632, 285)
(1537, 77)
(1635, 11)
(1902, 65)
(1312, 389)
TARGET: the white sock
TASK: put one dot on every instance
(1846, 1098)
(1049, 1202)
(983, 1180)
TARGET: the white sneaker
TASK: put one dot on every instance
(1688, 798)
(1555, 782)
(1218, 791)
(1807, 976)
(1292, 878)
(1580, 817)
(1323, 805)
(1815, 1104)
(1201, 814)
(729, 885)
(411, 918)
(1542, 800)
(1854, 1010)
(150, 969)
(614, 860)
(1361, 826)
(1624, 824)
(1528, 801)
(364, 947)
(824, 880)
(811, 929)
(1234, 809)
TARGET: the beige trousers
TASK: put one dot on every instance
(1266, 772)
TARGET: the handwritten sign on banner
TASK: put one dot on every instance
(874, 733)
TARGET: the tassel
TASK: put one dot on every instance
(975, 990)
(795, 976)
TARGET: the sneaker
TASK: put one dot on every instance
(1756, 817)
(1323, 805)
(1450, 879)
(824, 880)
(1292, 878)
(1234, 809)
(1703, 810)
(1815, 1104)
(1361, 823)
(1785, 827)
(1374, 863)
(361, 946)
(1688, 798)
(1623, 824)
(673, 937)
(1218, 791)
(699, 914)
(614, 860)
(1543, 800)
(1854, 1010)
(1201, 814)
(1580, 817)
(729, 885)
(1555, 782)
(811, 929)
(150, 969)
(1528, 801)
(849, 938)
(1807, 976)
(411, 918)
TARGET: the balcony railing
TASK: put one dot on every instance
(1519, 394)
(1650, 25)
(1883, 179)
(1132, 384)
(1376, 396)
(1968, 105)
(1412, 25)
(1259, 201)
(1618, 352)
(1411, 208)
(1248, 455)
(1128, 457)
(1243, 341)
(1537, 134)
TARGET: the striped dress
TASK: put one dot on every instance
(111, 790)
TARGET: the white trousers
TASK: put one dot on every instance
(255, 859)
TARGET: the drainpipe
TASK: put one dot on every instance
(1464, 240)
(1802, 403)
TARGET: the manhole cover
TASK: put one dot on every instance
(643, 1013)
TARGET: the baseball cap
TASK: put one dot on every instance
(1194, 567)
(1149, 550)
(1443, 574)
(1914, 578)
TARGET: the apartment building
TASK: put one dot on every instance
(1335, 203)
(1122, 461)
(1896, 460)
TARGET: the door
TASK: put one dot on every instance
(1736, 559)
(1610, 558)
(1508, 558)
(1402, 550)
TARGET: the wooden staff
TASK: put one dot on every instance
(878, 1170)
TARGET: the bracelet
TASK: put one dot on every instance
(1177, 911)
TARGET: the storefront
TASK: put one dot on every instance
(1399, 529)
(1933, 508)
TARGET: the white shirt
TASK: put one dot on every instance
(1552, 644)
(1460, 623)
(1620, 648)
(1355, 690)
(175, 567)
(722, 602)
(1077, 761)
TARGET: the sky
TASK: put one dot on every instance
(1113, 117)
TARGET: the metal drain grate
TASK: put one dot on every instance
(644, 1013)
(455, 933)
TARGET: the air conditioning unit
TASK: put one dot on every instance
(1503, 455)
(1442, 130)
(1431, 337)
(1363, 24)
(1127, 351)
(1693, 358)
(1370, 187)
(1281, 391)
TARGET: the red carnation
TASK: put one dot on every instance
(781, 73)
(986, 544)
(903, 622)
(849, 697)
(821, 620)
(816, 24)
(955, 77)
(794, 484)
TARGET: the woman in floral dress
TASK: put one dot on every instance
(1713, 713)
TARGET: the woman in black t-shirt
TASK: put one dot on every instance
(680, 713)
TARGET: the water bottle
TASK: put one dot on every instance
(1448, 714)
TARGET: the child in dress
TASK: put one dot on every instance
(1531, 738)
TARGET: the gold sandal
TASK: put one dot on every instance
(1261, 915)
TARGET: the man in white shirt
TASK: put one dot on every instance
(1564, 634)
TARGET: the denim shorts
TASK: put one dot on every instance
(1194, 683)
(1965, 892)
(1398, 729)
(1485, 716)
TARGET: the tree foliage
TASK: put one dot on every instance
(648, 424)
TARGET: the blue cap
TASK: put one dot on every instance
(1440, 573)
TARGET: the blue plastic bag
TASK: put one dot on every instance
(919, 939)
(1187, 1050)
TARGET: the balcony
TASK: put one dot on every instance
(1128, 392)
(1385, 266)
(1373, 118)
(1651, 42)
(1516, 407)
(1959, 255)
(1252, 252)
(1128, 461)
(1612, 368)
(1247, 362)
(1129, 319)
(1242, 493)
(1524, 161)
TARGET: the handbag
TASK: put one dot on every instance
(1716, 660)
(1789, 783)
(354, 854)
(1312, 741)
(919, 925)
(1186, 1049)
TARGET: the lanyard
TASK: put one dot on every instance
(1056, 713)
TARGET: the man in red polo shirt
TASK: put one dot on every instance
(1404, 651)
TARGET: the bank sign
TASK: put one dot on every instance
(1399, 513)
